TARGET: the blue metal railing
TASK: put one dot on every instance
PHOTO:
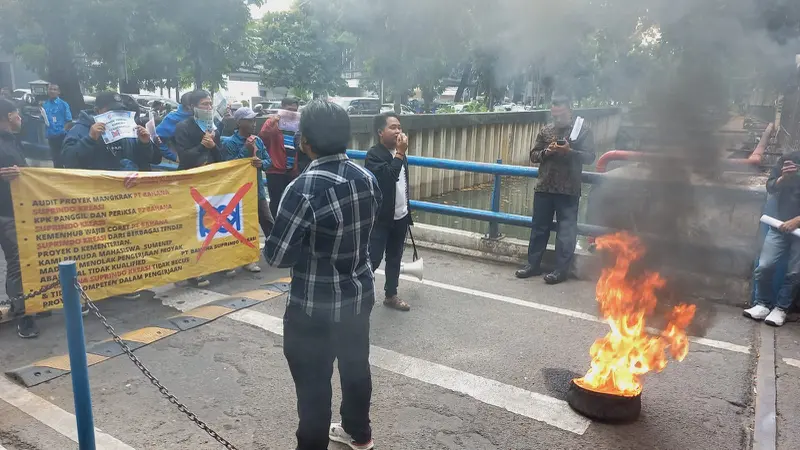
(494, 216)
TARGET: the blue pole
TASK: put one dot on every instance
(494, 227)
(67, 274)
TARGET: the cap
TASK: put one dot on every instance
(244, 113)
(109, 100)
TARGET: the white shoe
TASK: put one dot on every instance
(337, 434)
(252, 267)
(758, 312)
(776, 318)
(230, 273)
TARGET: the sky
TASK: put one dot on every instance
(271, 5)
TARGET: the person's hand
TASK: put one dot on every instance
(208, 140)
(9, 173)
(789, 168)
(250, 143)
(144, 135)
(563, 149)
(256, 162)
(97, 130)
(402, 144)
(790, 225)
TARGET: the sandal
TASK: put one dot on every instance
(394, 302)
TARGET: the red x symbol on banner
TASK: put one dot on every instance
(221, 218)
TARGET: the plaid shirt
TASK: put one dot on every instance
(322, 232)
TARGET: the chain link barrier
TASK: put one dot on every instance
(164, 391)
(11, 302)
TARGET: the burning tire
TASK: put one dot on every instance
(603, 407)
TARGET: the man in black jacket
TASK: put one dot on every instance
(387, 161)
(11, 159)
(196, 139)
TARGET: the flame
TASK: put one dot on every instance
(628, 351)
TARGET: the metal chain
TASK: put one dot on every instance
(32, 294)
(164, 391)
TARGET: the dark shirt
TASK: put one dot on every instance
(561, 174)
(322, 232)
(386, 169)
(191, 153)
(788, 190)
(10, 155)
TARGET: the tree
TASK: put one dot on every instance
(297, 53)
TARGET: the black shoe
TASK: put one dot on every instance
(26, 328)
(527, 271)
(555, 277)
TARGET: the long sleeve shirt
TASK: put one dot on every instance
(233, 148)
(322, 232)
(561, 173)
(188, 143)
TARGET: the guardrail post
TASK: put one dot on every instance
(67, 273)
(494, 227)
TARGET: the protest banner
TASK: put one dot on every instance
(119, 125)
(130, 231)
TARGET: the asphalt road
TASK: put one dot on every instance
(480, 362)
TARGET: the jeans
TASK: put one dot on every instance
(276, 184)
(55, 143)
(8, 241)
(310, 346)
(776, 244)
(565, 209)
(389, 238)
(265, 217)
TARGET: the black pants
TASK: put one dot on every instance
(265, 218)
(8, 241)
(565, 209)
(276, 184)
(55, 143)
(389, 238)
(310, 346)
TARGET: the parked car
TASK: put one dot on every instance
(359, 105)
(23, 95)
(388, 107)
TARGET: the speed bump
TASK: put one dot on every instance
(54, 367)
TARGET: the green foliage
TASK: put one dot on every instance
(298, 52)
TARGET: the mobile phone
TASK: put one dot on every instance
(561, 142)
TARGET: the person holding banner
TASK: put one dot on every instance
(11, 159)
(244, 144)
(197, 138)
(108, 138)
(322, 232)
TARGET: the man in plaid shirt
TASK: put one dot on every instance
(322, 229)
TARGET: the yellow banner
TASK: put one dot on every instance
(130, 231)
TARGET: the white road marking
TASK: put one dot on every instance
(556, 310)
(792, 362)
(516, 400)
(52, 416)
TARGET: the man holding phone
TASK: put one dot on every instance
(771, 307)
(558, 191)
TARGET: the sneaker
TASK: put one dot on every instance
(252, 267)
(85, 309)
(230, 273)
(131, 296)
(758, 312)
(26, 328)
(776, 318)
(337, 434)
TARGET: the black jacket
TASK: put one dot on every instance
(10, 155)
(191, 152)
(386, 169)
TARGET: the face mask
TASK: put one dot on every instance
(204, 119)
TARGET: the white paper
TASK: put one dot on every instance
(151, 128)
(44, 117)
(119, 125)
(290, 120)
(775, 223)
(576, 129)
